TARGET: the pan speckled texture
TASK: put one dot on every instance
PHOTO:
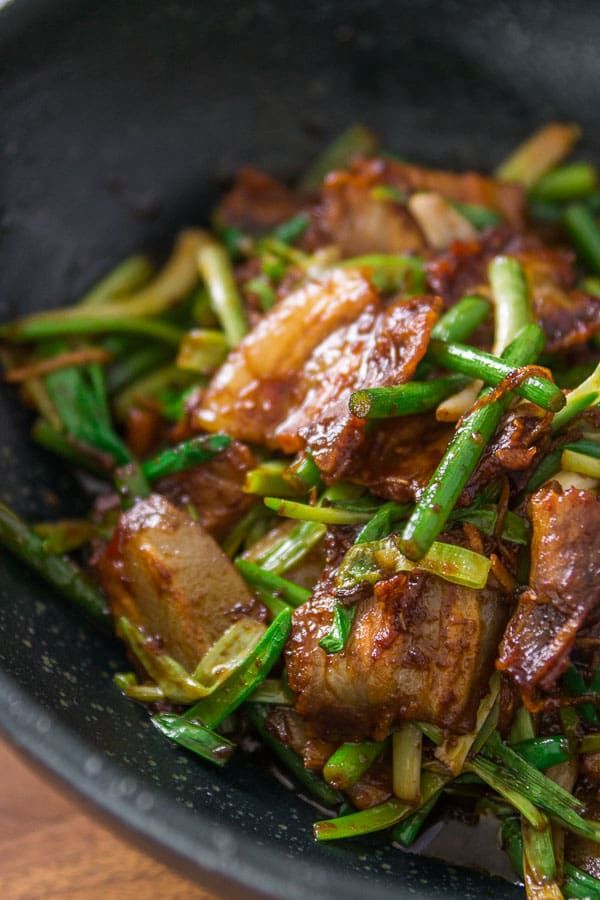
(117, 122)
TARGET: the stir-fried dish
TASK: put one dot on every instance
(343, 456)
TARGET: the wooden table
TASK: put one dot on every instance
(51, 850)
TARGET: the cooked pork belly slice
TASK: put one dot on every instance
(420, 648)
(564, 587)
(351, 215)
(288, 383)
(383, 346)
(214, 489)
(568, 316)
(257, 202)
(166, 574)
(515, 450)
(253, 391)
(401, 455)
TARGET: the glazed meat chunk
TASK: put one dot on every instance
(166, 574)
(288, 383)
(420, 648)
(352, 214)
(564, 587)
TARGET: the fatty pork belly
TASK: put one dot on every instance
(564, 587)
(568, 315)
(288, 383)
(358, 219)
(167, 575)
(420, 648)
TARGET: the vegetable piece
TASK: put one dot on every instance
(502, 782)
(216, 270)
(432, 786)
(291, 760)
(370, 562)
(406, 757)
(328, 515)
(65, 535)
(269, 479)
(585, 395)
(377, 818)
(185, 455)
(404, 399)
(380, 525)
(131, 484)
(214, 709)
(65, 360)
(391, 272)
(272, 691)
(130, 274)
(585, 234)
(335, 640)
(174, 681)
(575, 684)
(98, 463)
(350, 761)
(571, 461)
(374, 819)
(202, 350)
(439, 220)
(540, 153)
(543, 752)
(464, 452)
(79, 396)
(195, 737)
(539, 864)
(135, 364)
(357, 140)
(542, 791)
(514, 528)
(461, 320)
(39, 329)
(58, 571)
(453, 751)
(303, 474)
(570, 182)
(257, 576)
(478, 364)
(170, 286)
(480, 217)
(577, 883)
(293, 547)
(289, 232)
(512, 310)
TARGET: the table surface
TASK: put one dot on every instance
(51, 849)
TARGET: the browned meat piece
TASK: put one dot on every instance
(167, 574)
(521, 440)
(351, 217)
(257, 202)
(401, 456)
(374, 787)
(290, 729)
(214, 489)
(420, 648)
(253, 391)
(381, 347)
(568, 316)
(288, 383)
(564, 587)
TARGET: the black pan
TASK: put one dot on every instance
(118, 121)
